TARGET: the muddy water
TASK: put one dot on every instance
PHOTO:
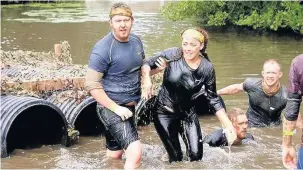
(235, 57)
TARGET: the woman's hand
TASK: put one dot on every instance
(228, 127)
(230, 134)
(161, 63)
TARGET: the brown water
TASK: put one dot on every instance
(235, 57)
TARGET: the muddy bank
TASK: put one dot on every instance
(41, 73)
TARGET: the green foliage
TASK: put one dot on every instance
(268, 15)
(217, 19)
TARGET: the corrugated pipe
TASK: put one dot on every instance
(28, 122)
(82, 116)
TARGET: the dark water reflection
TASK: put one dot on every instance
(234, 56)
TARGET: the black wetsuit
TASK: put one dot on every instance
(175, 109)
(263, 110)
(218, 138)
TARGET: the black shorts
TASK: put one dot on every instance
(119, 134)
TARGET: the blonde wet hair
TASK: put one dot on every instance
(234, 113)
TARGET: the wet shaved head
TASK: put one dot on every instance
(272, 61)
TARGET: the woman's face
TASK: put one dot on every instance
(191, 47)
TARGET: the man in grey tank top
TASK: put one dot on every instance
(267, 97)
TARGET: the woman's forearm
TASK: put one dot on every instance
(222, 116)
(155, 71)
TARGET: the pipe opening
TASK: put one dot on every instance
(88, 122)
(34, 127)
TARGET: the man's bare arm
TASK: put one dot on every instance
(93, 86)
(146, 71)
(288, 126)
(231, 89)
(147, 86)
(291, 115)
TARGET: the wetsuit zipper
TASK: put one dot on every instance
(269, 107)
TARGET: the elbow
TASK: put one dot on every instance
(232, 89)
(87, 86)
(217, 107)
(216, 102)
(90, 85)
(291, 117)
(293, 106)
(237, 89)
(291, 113)
(92, 80)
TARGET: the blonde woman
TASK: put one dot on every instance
(187, 76)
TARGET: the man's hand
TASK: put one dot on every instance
(147, 88)
(289, 157)
(123, 112)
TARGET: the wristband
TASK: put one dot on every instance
(289, 133)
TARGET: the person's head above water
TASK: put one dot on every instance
(194, 41)
(239, 120)
(271, 72)
(121, 21)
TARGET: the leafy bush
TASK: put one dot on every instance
(268, 15)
